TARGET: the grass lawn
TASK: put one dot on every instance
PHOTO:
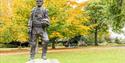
(83, 55)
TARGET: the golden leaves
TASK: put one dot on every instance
(22, 37)
(66, 21)
(56, 34)
(76, 20)
(13, 22)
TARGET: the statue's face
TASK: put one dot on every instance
(39, 3)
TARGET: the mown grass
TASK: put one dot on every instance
(87, 55)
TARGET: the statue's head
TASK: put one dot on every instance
(39, 3)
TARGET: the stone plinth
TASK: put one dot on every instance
(43, 61)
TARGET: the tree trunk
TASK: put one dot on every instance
(96, 36)
(53, 42)
(53, 45)
(20, 46)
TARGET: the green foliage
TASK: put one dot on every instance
(98, 17)
(117, 14)
(96, 11)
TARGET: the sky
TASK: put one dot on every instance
(81, 1)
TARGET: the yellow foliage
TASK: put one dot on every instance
(75, 20)
(22, 37)
(13, 24)
(14, 16)
(56, 34)
(5, 17)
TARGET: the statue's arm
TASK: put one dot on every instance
(46, 14)
(46, 17)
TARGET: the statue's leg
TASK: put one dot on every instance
(33, 47)
(44, 45)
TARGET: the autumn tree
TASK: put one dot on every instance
(5, 20)
(67, 21)
(14, 18)
(76, 18)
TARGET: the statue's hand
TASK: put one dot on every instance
(45, 23)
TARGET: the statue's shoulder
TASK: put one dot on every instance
(33, 9)
(44, 9)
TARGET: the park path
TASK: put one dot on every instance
(17, 51)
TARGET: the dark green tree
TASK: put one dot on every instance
(97, 13)
(116, 10)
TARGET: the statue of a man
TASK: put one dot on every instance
(38, 23)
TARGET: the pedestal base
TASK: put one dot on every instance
(43, 61)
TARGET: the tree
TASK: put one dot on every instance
(76, 19)
(96, 11)
(66, 21)
(14, 18)
(57, 16)
(5, 20)
(117, 14)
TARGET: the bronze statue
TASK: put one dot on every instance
(38, 23)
